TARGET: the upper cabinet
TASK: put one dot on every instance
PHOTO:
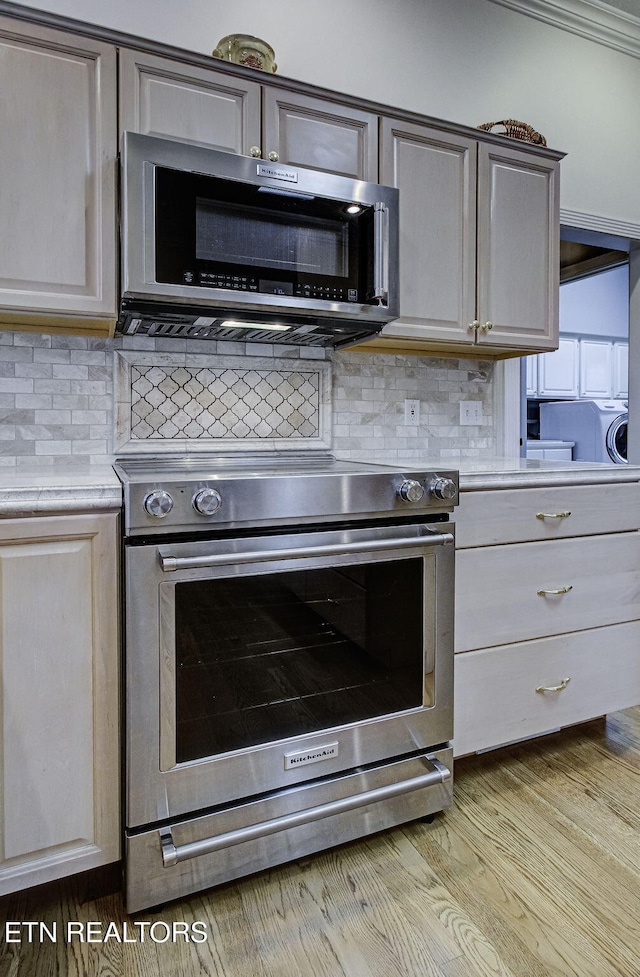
(436, 174)
(479, 243)
(321, 134)
(479, 217)
(162, 97)
(518, 254)
(57, 194)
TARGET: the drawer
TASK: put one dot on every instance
(521, 514)
(495, 698)
(497, 599)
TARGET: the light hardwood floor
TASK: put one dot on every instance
(534, 873)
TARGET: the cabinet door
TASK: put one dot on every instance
(435, 173)
(531, 367)
(59, 731)
(596, 368)
(558, 371)
(323, 135)
(620, 370)
(518, 249)
(57, 193)
(162, 97)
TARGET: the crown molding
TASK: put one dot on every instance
(593, 19)
(604, 225)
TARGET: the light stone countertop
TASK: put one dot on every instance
(505, 473)
(38, 492)
(477, 474)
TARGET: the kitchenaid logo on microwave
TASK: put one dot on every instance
(277, 173)
(302, 757)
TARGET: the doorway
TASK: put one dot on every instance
(591, 363)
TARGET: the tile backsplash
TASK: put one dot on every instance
(70, 400)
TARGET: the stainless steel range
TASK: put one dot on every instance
(289, 660)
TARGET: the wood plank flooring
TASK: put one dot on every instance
(535, 872)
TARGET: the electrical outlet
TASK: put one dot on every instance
(471, 412)
(412, 412)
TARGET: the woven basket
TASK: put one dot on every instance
(516, 130)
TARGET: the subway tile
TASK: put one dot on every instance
(367, 393)
(88, 357)
(34, 401)
(52, 447)
(51, 355)
(31, 339)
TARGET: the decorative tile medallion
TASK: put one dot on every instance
(206, 401)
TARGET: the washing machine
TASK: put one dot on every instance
(598, 428)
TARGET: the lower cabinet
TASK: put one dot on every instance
(547, 610)
(512, 692)
(59, 719)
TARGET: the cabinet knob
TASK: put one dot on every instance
(273, 156)
(486, 326)
(256, 152)
(473, 325)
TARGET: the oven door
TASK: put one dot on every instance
(256, 664)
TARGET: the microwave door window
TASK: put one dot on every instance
(268, 239)
(225, 234)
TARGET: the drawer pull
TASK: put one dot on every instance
(554, 688)
(552, 515)
(560, 590)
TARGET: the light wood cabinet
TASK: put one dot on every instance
(479, 215)
(436, 175)
(518, 259)
(479, 243)
(547, 609)
(59, 735)
(57, 193)
(163, 97)
(321, 134)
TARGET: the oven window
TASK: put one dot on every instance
(261, 658)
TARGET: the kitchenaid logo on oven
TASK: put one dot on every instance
(302, 757)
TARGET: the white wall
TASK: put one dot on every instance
(597, 306)
(470, 61)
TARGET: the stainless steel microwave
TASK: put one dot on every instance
(220, 246)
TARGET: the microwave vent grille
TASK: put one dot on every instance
(182, 326)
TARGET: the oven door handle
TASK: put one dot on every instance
(170, 563)
(172, 853)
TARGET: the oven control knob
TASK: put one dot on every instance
(443, 489)
(158, 503)
(411, 490)
(206, 501)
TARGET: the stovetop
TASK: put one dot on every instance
(199, 493)
(241, 465)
